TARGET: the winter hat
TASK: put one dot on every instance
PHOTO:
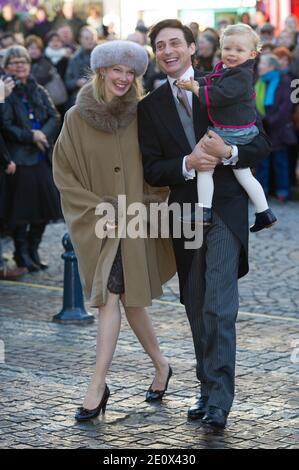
(119, 52)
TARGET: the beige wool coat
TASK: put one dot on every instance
(96, 156)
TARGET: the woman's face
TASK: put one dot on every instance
(55, 42)
(19, 67)
(205, 48)
(34, 51)
(118, 80)
(264, 66)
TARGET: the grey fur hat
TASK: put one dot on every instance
(119, 52)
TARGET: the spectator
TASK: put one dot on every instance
(286, 62)
(79, 65)
(267, 48)
(7, 40)
(67, 16)
(9, 167)
(11, 23)
(42, 24)
(95, 20)
(41, 67)
(205, 55)
(30, 124)
(267, 33)
(195, 30)
(245, 18)
(284, 57)
(66, 35)
(260, 19)
(57, 53)
(286, 39)
(142, 30)
(274, 105)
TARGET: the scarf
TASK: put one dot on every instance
(55, 55)
(271, 80)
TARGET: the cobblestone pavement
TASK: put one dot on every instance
(46, 367)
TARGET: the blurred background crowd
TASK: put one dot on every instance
(58, 39)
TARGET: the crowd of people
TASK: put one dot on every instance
(43, 58)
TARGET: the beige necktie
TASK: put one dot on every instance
(183, 99)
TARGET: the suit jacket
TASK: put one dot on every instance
(164, 144)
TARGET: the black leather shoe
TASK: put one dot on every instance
(198, 409)
(153, 395)
(83, 414)
(215, 417)
(197, 216)
(263, 219)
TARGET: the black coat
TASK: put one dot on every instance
(228, 95)
(17, 125)
(164, 144)
(5, 158)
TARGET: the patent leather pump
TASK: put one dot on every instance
(153, 395)
(83, 414)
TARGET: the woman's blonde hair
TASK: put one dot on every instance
(98, 87)
(243, 30)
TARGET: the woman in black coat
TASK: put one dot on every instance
(30, 124)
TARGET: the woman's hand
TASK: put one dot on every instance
(40, 139)
(9, 85)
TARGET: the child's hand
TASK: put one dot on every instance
(190, 85)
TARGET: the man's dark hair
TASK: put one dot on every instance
(155, 30)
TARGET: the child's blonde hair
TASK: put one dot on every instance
(242, 29)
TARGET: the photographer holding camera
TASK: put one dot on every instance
(9, 167)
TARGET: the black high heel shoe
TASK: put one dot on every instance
(153, 395)
(83, 414)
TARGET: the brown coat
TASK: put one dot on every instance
(97, 155)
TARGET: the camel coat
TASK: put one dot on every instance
(96, 157)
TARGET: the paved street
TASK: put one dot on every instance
(46, 366)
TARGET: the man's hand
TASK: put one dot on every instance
(201, 161)
(213, 144)
(11, 168)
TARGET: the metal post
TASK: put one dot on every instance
(73, 310)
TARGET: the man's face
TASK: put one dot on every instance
(172, 52)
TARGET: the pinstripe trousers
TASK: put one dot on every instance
(211, 301)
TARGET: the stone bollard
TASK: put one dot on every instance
(73, 310)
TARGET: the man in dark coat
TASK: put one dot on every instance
(208, 276)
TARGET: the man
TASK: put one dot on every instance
(209, 275)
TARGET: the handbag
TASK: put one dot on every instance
(56, 89)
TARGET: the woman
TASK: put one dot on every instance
(97, 156)
(41, 67)
(9, 167)
(30, 124)
(274, 105)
